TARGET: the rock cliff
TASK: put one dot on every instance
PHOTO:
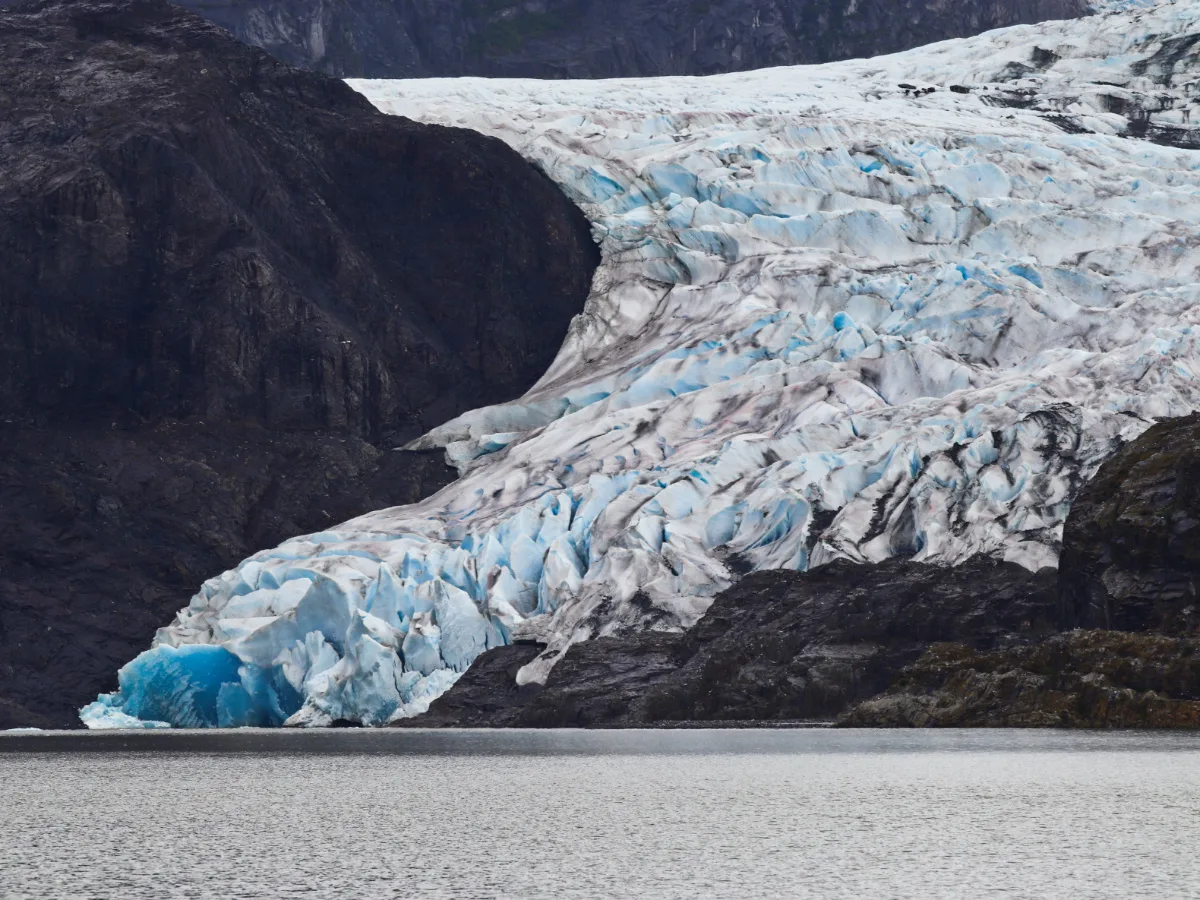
(229, 287)
(592, 39)
(777, 646)
(1131, 546)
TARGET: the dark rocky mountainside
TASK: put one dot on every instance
(1131, 546)
(981, 644)
(602, 38)
(229, 286)
(777, 646)
(191, 229)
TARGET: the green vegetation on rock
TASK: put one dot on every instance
(511, 33)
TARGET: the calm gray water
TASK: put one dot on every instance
(737, 814)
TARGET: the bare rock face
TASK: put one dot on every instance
(1082, 679)
(594, 39)
(487, 694)
(191, 229)
(1131, 545)
(229, 288)
(776, 647)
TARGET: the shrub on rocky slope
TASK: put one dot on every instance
(1081, 679)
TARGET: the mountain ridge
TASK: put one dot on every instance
(593, 39)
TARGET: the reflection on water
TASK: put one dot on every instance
(566, 814)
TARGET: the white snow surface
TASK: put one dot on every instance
(837, 316)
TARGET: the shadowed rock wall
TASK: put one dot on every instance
(228, 287)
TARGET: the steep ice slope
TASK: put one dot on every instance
(839, 315)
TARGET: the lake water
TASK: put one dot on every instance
(567, 814)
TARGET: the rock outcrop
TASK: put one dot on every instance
(777, 646)
(229, 286)
(1131, 546)
(588, 39)
(901, 644)
(1082, 679)
(1130, 566)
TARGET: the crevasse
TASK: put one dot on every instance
(838, 315)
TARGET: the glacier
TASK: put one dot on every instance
(899, 306)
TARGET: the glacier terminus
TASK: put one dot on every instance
(893, 307)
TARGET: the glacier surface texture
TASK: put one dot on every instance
(900, 306)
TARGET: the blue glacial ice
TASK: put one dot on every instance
(833, 320)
